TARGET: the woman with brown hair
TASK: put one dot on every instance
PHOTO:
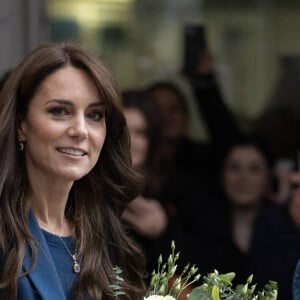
(60, 199)
(145, 214)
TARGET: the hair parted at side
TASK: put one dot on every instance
(96, 201)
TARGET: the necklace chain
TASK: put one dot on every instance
(76, 265)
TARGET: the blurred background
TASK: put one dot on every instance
(255, 44)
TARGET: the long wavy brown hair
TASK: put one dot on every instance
(96, 201)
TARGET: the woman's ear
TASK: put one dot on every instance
(21, 134)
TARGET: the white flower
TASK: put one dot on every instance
(157, 297)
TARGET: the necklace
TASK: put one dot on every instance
(76, 265)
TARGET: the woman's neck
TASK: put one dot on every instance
(48, 204)
(242, 226)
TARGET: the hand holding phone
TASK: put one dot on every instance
(197, 59)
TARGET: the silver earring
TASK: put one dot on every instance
(21, 146)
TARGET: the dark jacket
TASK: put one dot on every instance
(275, 250)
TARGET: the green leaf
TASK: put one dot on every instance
(227, 278)
(215, 293)
(201, 292)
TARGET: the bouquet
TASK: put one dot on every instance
(214, 286)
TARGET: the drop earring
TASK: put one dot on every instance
(21, 146)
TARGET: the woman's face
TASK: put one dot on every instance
(245, 176)
(173, 117)
(137, 126)
(64, 128)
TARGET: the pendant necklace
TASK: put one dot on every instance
(76, 265)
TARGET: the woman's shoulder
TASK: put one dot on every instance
(275, 223)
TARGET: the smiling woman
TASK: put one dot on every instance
(64, 128)
(246, 179)
(65, 178)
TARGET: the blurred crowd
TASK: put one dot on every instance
(231, 203)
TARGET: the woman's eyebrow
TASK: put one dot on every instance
(97, 104)
(70, 103)
(60, 101)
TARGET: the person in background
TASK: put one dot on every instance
(247, 186)
(223, 222)
(191, 167)
(145, 214)
(180, 153)
(152, 215)
(65, 179)
(275, 247)
(145, 134)
(280, 127)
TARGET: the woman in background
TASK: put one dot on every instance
(222, 224)
(154, 215)
(145, 214)
(247, 186)
(275, 246)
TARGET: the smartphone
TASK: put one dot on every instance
(194, 44)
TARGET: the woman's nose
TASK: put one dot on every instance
(78, 128)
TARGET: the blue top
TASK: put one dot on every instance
(43, 281)
(296, 283)
(62, 259)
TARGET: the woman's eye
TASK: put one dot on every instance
(96, 115)
(234, 167)
(254, 169)
(58, 111)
